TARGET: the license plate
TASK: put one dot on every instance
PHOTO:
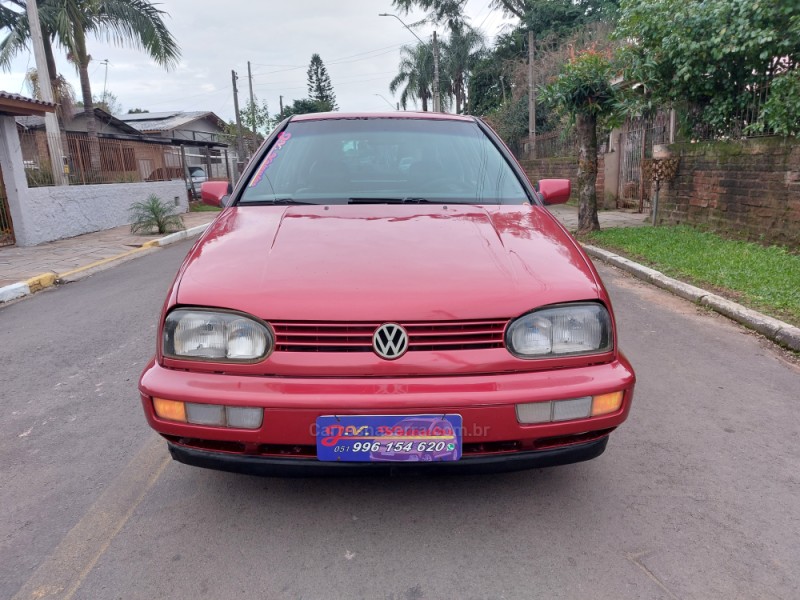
(389, 438)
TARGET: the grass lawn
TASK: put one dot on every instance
(764, 278)
(200, 207)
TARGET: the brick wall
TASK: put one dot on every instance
(564, 168)
(748, 189)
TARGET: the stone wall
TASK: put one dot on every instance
(52, 213)
(748, 189)
(565, 167)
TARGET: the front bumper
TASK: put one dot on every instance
(310, 467)
(493, 439)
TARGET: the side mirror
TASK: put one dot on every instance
(555, 191)
(215, 193)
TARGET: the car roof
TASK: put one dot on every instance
(326, 116)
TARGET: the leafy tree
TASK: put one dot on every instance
(256, 116)
(539, 14)
(714, 56)
(782, 109)
(583, 91)
(450, 12)
(301, 107)
(320, 87)
(137, 23)
(415, 75)
(110, 103)
(561, 18)
(137, 111)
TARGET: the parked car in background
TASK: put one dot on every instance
(196, 177)
(350, 310)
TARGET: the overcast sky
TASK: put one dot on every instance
(359, 48)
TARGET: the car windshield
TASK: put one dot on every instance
(383, 160)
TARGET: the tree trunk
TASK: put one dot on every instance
(82, 60)
(586, 126)
(424, 99)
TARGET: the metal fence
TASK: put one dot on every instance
(553, 144)
(637, 138)
(113, 160)
(6, 226)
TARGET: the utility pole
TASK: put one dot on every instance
(239, 149)
(280, 100)
(252, 104)
(437, 99)
(531, 96)
(50, 118)
(105, 82)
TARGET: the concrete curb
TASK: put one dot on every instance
(21, 289)
(778, 331)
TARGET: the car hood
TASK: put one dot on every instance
(385, 263)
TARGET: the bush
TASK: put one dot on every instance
(154, 216)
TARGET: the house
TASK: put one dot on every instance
(125, 154)
(38, 205)
(201, 134)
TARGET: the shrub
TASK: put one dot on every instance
(154, 216)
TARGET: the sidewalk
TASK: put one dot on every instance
(24, 271)
(568, 215)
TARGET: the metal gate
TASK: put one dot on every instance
(6, 226)
(636, 147)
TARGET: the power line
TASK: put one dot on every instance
(263, 88)
(337, 61)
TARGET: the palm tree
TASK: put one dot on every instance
(67, 22)
(461, 53)
(415, 75)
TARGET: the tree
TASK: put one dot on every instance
(461, 52)
(320, 87)
(415, 75)
(63, 94)
(583, 91)
(137, 111)
(137, 23)
(300, 107)
(109, 103)
(256, 115)
(452, 11)
(713, 57)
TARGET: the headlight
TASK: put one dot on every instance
(218, 336)
(569, 329)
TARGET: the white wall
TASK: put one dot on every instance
(53, 213)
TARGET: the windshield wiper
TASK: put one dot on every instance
(406, 200)
(277, 201)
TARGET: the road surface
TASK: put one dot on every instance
(696, 496)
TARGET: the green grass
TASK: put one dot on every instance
(764, 278)
(200, 207)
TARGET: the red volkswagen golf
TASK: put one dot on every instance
(386, 292)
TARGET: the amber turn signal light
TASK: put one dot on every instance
(606, 403)
(170, 410)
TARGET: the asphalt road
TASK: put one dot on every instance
(696, 496)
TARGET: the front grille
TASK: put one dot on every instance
(304, 336)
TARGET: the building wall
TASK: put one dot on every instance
(748, 189)
(52, 213)
(565, 168)
(202, 130)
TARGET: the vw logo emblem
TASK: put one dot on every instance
(390, 341)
